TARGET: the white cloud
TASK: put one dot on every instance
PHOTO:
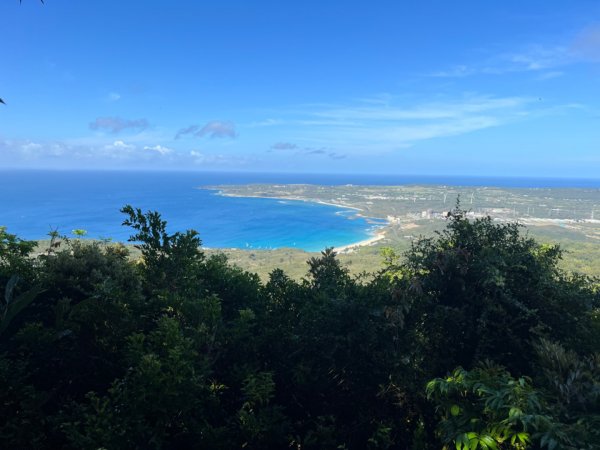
(454, 72)
(102, 154)
(585, 47)
(265, 123)
(363, 127)
(532, 58)
(218, 160)
(159, 149)
(31, 147)
(114, 97)
(212, 129)
(120, 145)
(371, 130)
(550, 75)
(426, 111)
(538, 57)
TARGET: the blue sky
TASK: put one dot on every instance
(434, 87)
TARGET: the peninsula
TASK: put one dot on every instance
(568, 216)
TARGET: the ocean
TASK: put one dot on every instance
(37, 202)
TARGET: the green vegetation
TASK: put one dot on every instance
(569, 216)
(406, 202)
(474, 338)
(577, 256)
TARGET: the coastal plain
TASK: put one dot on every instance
(569, 217)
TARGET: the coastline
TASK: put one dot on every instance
(378, 235)
(298, 199)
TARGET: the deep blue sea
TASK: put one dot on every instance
(36, 202)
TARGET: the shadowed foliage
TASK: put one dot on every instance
(473, 339)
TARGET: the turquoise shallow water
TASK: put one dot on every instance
(38, 202)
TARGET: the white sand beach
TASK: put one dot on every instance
(370, 241)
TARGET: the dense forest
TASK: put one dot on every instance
(473, 339)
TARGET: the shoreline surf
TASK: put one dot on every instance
(377, 232)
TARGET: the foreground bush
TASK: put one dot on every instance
(177, 350)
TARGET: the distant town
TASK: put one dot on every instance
(574, 209)
(569, 217)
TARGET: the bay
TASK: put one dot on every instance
(37, 202)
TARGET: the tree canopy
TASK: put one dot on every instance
(472, 339)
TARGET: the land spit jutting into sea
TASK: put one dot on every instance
(576, 210)
(368, 213)
(568, 216)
